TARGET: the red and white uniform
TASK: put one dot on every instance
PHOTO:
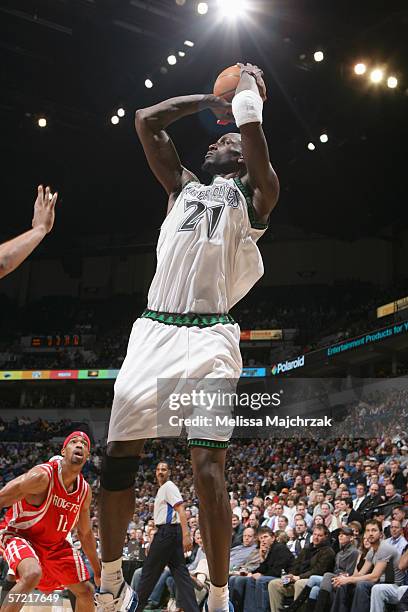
(41, 532)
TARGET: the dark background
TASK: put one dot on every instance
(75, 62)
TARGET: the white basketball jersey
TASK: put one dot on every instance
(207, 257)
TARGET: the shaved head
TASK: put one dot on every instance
(225, 156)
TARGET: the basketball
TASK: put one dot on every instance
(227, 82)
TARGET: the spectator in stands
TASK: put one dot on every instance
(398, 479)
(315, 559)
(238, 578)
(237, 531)
(399, 514)
(318, 589)
(253, 520)
(283, 523)
(347, 513)
(240, 553)
(279, 558)
(393, 594)
(357, 532)
(372, 500)
(302, 510)
(360, 496)
(245, 514)
(319, 500)
(397, 538)
(329, 520)
(303, 536)
(381, 564)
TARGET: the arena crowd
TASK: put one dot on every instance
(305, 511)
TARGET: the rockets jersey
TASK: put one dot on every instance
(207, 256)
(50, 523)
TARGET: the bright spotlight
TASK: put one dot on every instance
(189, 43)
(324, 138)
(232, 8)
(148, 83)
(120, 112)
(172, 59)
(42, 122)
(202, 8)
(377, 75)
(182, 54)
(360, 68)
(392, 82)
(115, 120)
(311, 146)
(318, 56)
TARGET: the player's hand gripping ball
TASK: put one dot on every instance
(257, 73)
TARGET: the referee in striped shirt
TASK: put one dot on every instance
(169, 544)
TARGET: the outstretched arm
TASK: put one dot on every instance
(160, 151)
(261, 176)
(34, 482)
(15, 251)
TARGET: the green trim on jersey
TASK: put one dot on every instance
(208, 443)
(189, 319)
(251, 210)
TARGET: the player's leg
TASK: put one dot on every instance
(133, 418)
(215, 518)
(84, 593)
(116, 507)
(29, 575)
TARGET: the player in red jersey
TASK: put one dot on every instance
(45, 504)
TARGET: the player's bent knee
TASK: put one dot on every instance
(118, 473)
(84, 590)
(31, 576)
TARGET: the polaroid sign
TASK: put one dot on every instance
(286, 366)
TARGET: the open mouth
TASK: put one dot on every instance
(78, 454)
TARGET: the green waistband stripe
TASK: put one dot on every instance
(208, 443)
(189, 319)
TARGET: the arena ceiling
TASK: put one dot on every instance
(76, 61)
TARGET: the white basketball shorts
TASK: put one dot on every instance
(164, 362)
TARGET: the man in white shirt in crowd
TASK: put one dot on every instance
(301, 509)
(397, 538)
(360, 496)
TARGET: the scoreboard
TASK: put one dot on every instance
(56, 341)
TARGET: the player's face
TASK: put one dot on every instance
(224, 156)
(76, 452)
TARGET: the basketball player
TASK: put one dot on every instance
(15, 251)
(46, 504)
(207, 260)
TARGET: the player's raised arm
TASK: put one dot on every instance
(15, 251)
(87, 538)
(160, 151)
(247, 109)
(34, 482)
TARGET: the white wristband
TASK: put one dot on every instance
(247, 107)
